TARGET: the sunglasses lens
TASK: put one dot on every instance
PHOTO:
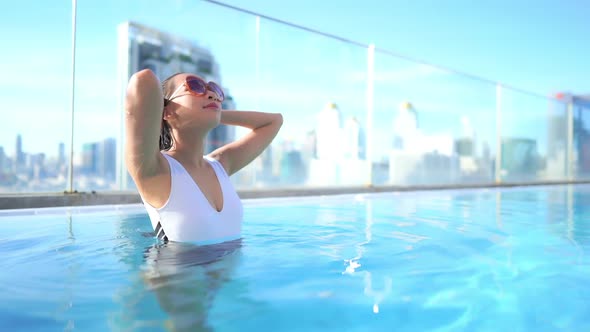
(215, 88)
(197, 86)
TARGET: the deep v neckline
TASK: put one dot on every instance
(210, 204)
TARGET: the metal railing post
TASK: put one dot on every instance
(73, 86)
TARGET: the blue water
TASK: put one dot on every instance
(467, 260)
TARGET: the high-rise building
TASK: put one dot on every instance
(142, 47)
(339, 151)
(107, 159)
(19, 157)
(557, 140)
(419, 158)
(37, 171)
(557, 129)
(292, 168)
(309, 147)
(353, 140)
(2, 160)
(265, 172)
(99, 159)
(89, 158)
(405, 126)
(61, 155)
(329, 133)
(466, 150)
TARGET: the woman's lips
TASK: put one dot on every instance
(212, 106)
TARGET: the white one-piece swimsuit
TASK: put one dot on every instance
(187, 215)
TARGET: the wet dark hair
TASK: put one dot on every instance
(166, 140)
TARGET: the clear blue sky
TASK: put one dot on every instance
(539, 46)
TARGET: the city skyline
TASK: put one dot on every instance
(287, 163)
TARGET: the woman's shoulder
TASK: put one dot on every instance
(216, 161)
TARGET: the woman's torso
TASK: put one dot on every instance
(187, 215)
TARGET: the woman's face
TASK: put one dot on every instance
(187, 108)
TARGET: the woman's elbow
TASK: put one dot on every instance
(278, 119)
(144, 74)
(141, 81)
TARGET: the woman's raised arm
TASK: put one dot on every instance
(144, 105)
(240, 153)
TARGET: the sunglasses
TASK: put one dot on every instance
(198, 87)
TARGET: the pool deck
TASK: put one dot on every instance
(40, 200)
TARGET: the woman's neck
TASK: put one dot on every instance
(188, 149)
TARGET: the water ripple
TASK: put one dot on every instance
(443, 261)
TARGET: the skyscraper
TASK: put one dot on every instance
(405, 125)
(90, 158)
(339, 151)
(107, 159)
(61, 155)
(309, 147)
(558, 126)
(36, 169)
(143, 47)
(329, 133)
(2, 160)
(292, 167)
(353, 139)
(19, 154)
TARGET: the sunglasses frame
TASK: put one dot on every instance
(208, 87)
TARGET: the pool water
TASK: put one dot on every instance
(463, 260)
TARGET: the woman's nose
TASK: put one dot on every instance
(213, 95)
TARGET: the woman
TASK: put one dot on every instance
(187, 195)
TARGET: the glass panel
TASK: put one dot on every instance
(118, 39)
(35, 97)
(319, 85)
(581, 136)
(431, 126)
(557, 140)
(533, 138)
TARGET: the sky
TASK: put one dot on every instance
(537, 46)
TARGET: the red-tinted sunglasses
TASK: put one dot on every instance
(198, 87)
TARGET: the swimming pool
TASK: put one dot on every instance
(463, 260)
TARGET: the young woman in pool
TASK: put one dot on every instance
(187, 194)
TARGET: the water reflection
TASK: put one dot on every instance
(353, 264)
(186, 278)
(171, 286)
(491, 228)
(73, 273)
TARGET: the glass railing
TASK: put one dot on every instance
(533, 138)
(354, 115)
(431, 126)
(35, 98)
(579, 164)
